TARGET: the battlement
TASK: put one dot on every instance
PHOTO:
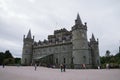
(59, 37)
(60, 31)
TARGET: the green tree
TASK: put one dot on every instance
(1, 58)
(8, 54)
(114, 61)
(9, 61)
(17, 60)
(6, 58)
(117, 57)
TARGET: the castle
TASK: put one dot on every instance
(71, 48)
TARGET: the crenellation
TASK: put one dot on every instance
(52, 40)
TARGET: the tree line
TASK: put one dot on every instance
(7, 58)
(113, 60)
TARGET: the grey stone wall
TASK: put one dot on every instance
(27, 52)
(61, 52)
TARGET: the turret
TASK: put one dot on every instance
(94, 51)
(80, 43)
(27, 49)
(78, 20)
(29, 35)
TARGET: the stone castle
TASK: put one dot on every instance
(71, 48)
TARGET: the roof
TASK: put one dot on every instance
(39, 57)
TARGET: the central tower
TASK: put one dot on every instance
(80, 44)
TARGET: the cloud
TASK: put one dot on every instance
(43, 17)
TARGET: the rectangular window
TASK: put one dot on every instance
(72, 60)
(56, 60)
(84, 58)
(64, 60)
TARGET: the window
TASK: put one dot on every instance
(72, 60)
(50, 49)
(56, 60)
(25, 61)
(64, 60)
(84, 58)
(63, 48)
(97, 62)
(26, 51)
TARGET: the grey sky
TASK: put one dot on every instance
(45, 16)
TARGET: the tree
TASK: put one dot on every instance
(9, 61)
(117, 55)
(1, 58)
(17, 60)
(8, 54)
(6, 58)
(114, 61)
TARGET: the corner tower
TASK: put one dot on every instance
(27, 49)
(94, 51)
(80, 43)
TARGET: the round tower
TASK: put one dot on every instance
(94, 52)
(27, 49)
(80, 44)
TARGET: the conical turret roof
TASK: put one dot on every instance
(29, 34)
(93, 38)
(78, 20)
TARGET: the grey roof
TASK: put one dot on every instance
(42, 56)
(79, 21)
(93, 38)
(29, 34)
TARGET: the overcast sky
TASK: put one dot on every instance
(45, 16)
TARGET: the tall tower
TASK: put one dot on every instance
(94, 51)
(80, 43)
(27, 49)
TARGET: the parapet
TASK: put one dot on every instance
(59, 37)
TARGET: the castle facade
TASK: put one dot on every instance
(71, 48)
